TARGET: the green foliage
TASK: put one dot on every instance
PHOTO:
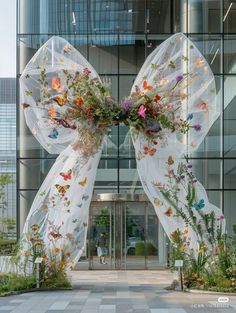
(140, 248)
(5, 179)
(14, 282)
(7, 247)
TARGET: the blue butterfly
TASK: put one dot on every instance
(53, 134)
(85, 198)
(79, 205)
(199, 205)
(190, 116)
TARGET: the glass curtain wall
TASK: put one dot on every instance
(116, 37)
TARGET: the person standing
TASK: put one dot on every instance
(101, 248)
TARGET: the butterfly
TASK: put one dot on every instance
(149, 151)
(170, 160)
(169, 212)
(158, 202)
(190, 116)
(146, 86)
(77, 228)
(79, 205)
(66, 175)
(53, 134)
(62, 188)
(67, 48)
(60, 99)
(25, 105)
(85, 198)
(85, 224)
(199, 205)
(75, 220)
(203, 106)
(64, 123)
(56, 84)
(83, 182)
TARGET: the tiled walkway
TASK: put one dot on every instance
(117, 292)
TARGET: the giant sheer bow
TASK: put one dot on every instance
(170, 110)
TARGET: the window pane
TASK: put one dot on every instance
(158, 19)
(229, 54)
(229, 210)
(33, 172)
(230, 117)
(208, 172)
(230, 174)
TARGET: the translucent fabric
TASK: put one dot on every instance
(174, 58)
(61, 206)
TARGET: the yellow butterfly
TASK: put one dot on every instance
(158, 202)
(60, 99)
(83, 182)
(170, 160)
(62, 188)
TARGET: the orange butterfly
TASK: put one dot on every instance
(56, 84)
(67, 175)
(169, 212)
(60, 100)
(203, 106)
(146, 86)
(149, 151)
(83, 182)
(62, 188)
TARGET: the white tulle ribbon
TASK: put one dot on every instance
(61, 206)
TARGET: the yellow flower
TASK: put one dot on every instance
(181, 248)
(185, 232)
(158, 202)
(25, 253)
(35, 227)
(55, 250)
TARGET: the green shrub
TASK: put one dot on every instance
(140, 248)
(15, 282)
(7, 247)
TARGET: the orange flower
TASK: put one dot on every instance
(79, 101)
(52, 112)
(157, 98)
(62, 264)
(198, 62)
(55, 250)
(146, 86)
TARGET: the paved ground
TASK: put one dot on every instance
(117, 292)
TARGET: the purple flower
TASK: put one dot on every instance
(197, 127)
(127, 104)
(190, 166)
(179, 78)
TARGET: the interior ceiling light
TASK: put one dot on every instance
(226, 14)
(73, 19)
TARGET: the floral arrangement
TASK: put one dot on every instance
(75, 99)
(52, 271)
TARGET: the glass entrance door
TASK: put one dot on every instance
(125, 235)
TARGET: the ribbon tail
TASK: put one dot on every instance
(179, 200)
(59, 213)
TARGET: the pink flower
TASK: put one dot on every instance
(221, 218)
(141, 111)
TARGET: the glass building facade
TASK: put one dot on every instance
(116, 37)
(8, 157)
